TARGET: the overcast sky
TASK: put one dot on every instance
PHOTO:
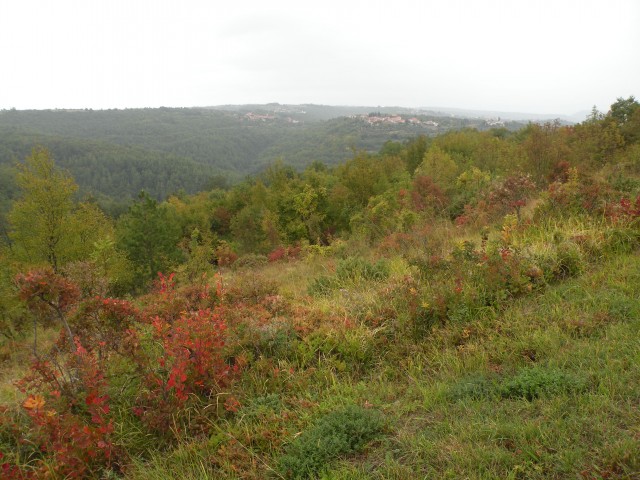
(537, 56)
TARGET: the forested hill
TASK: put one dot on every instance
(117, 153)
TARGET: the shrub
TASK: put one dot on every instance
(48, 294)
(69, 425)
(351, 349)
(336, 434)
(250, 260)
(225, 255)
(323, 286)
(280, 253)
(534, 382)
(350, 271)
(272, 339)
(504, 274)
(191, 361)
(263, 406)
(570, 261)
(355, 269)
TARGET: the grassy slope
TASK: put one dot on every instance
(587, 327)
(444, 397)
(454, 401)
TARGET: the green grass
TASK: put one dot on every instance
(541, 385)
(546, 387)
(526, 397)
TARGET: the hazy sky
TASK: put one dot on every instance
(538, 56)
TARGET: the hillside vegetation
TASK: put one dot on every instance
(462, 306)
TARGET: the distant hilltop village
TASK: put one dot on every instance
(373, 119)
(287, 114)
(267, 116)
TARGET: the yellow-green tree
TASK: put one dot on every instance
(39, 218)
(46, 224)
(439, 166)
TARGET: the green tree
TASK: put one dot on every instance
(623, 109)
(46, 224)
(544, 146)
(247, 227)
(439, 166)
(308, 205)
(626, 113)
(415, 151)
(149, 234)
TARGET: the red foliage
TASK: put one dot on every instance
(280, 253)
(426, 193)
(462, 220)
(225, 256)
(44, 289)
(104, 324)
(560, 172)
(191, 361)
(177, 347)
(70, 421)
(277, 254)
(512, 193)
(396, 241)
(13, 472)
(170, 301)
(625, 211)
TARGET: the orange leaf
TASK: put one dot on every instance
(34, 402)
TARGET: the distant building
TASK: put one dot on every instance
(255, 117)
(493, 122)
(373, 119)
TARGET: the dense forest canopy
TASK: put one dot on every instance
(117, 153)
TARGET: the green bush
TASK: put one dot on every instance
(323, 286)
(570, 261)
(274, 340)
(262, 406)
(350, 271)
(621, 239)
(335, 435)
(352, 349)
(355, 269)
(250, 260)
(534, 382)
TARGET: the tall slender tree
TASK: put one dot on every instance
(39, 219)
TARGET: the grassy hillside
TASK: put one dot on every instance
(541, 383)
(466, 306)
(546, 387)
